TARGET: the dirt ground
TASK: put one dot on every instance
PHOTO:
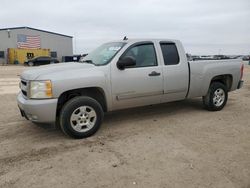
(177, 144)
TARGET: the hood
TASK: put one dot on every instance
(34, 72)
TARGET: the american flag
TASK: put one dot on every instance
(28, 41)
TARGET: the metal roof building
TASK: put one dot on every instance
(31, 39)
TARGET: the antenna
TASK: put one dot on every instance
(125, 38)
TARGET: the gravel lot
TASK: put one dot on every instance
(171, 145)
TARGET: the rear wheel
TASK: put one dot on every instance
(216, 97)
(81, 117)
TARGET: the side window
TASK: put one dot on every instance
(43, 59)
(1, 54)
(170, 53)
(144, 55)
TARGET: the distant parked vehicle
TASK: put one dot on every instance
(41, 60)
(74, 58)
(217, 57)
(246, 58)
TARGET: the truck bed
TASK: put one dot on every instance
(203, 71)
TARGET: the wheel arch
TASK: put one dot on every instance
(96, 93)
(226, 79)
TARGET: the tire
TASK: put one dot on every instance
(216, 97)
(30, 64)
(81, 117)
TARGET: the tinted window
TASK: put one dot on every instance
(170, 53)
(43, 59)
(1, 54)
(144, 55)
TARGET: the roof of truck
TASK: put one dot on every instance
(146, 39)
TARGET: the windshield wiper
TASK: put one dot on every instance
(87, 61)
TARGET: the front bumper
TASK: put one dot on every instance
(240, 84)
(42, 111)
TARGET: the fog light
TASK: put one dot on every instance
(34, 117)
(29, 116)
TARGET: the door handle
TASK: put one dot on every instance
(154, 73)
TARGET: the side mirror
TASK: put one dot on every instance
(127, 61)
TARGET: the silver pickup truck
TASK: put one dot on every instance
(122, 74)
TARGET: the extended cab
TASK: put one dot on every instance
(119, 75)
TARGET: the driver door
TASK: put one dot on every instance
(141, 84)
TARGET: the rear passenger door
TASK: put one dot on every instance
(175, 71)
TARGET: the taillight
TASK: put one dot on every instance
(241, 71)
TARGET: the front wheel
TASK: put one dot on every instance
(216, 97)
(30, 64)
(81, 117)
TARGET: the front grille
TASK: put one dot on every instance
(24, 82)
(24, 87)
(24, 93)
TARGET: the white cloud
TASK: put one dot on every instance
(204, 26)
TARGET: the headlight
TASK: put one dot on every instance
(40, 89)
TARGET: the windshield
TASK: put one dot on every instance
(103, 54)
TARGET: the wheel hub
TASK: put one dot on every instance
(83, 118)
(219, 97)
